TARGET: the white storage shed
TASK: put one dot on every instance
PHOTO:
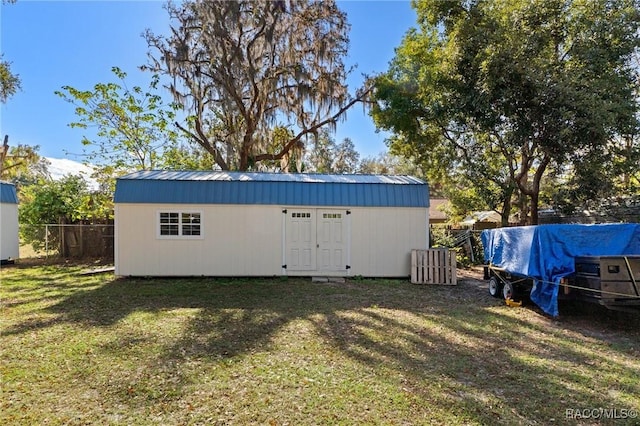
(172, 223)
(9, 238)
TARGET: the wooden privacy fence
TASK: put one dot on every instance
(69, 240)
(433, 266)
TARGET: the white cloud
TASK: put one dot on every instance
(61, 167)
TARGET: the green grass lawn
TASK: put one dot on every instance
(92, 349)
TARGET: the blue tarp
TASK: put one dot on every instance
(546, 253)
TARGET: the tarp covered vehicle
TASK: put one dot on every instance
(596, 263)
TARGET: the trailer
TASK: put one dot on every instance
(591, 263)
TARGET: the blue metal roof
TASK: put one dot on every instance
(8, 193)
(220, 187)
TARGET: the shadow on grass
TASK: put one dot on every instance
(454, 348)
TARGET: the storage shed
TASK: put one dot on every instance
(9, 239)
(173, 223)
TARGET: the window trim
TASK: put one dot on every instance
(180, 224)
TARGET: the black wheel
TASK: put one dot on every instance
(495, 287)
(508, 290)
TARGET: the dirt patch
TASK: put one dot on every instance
(472, 273)
(587, 319)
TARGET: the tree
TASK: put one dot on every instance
(387, 163)
(68, 200)
(601, 181)
(21, 164)
(321, 152)
(9, 82)
(346, 158)
(292, 161)
(512, 88)
(240, 67)
(132, 126)
(410, 101)
(625, 164)
(185, 155)
(325, 156)
(65, 201)
(9, 85)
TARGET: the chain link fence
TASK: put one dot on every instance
(67, 241)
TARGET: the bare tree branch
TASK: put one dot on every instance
(241, 67)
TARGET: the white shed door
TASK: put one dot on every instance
(316, 240)
(331, 241)
(301, 240)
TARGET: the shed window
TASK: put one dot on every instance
(190, 223)
(179, 224)
(332, 215)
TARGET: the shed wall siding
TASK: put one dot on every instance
(382, 240)
(243, 240)
(9, 240)
(237, 241)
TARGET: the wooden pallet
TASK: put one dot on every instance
(433, 266)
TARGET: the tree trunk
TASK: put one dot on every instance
(506, 208)
(534, 207)
(244, 162)
(535, 188)
(524, 209)
(532, 191)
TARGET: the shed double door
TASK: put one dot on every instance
(316, 240)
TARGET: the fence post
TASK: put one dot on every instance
(81, 241)
(63, 240)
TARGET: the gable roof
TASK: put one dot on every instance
(435, 214)
(8, 193)
(222, 187)
(487, 216)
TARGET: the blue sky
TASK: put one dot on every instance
(56, 43)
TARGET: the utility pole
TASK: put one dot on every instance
(4, 150)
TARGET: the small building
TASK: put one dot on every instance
(211, 223)
(437, 211)
(488, 219)
(9, 238)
